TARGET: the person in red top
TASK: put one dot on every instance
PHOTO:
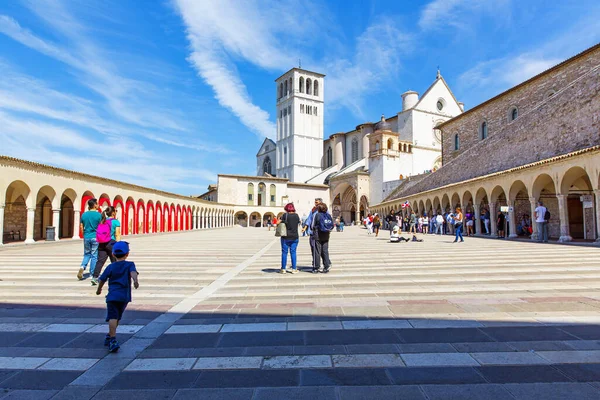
(275, 221)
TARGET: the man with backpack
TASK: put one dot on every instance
(322, 227)
(542, 216)
(309, 226)
(107, 234)
(89, 223)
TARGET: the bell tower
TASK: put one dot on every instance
(300, 99)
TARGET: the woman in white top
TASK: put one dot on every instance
(458, 225)
(425, 224)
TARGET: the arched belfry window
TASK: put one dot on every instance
(267, 165)
(280, 91)
(456, 142)
(484, 130)
(285, 88)
(354, 149)
(291, 86)
(301, 85)
(316, 88)
(329, 157)
(308, 86)
(377, 145)
(390, 144)
(514, 113)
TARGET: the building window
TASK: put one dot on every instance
(354, 149)
(250, 194)
(291, 86)
(390, 144)
(484, 130)
(316, 88)
(440, 105)
(285, 112)
(315, 110)
(308, 86)
(280, 90)
(377, 145)
(267, 165)
(289, 110)
(514, 113)
(301, 108)
(456, 142)
(301, 85)
(273, 194)
(329, 157)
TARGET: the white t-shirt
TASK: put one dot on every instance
(540, 212)
(439, 219)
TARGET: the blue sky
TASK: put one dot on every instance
(168, 94)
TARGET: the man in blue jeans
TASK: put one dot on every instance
(89, 224)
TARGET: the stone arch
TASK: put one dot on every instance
(316, 88)
(87, 195)
(467, 202)
(518, 198)
(17, 200)
(445, 203)
(266, 217)
(255, 219)
(141, 226)
(131, 217)
(160, 219)
(349, 204)
(454, 201)
(421, 207)
(45, 199)
(241, 218)
(119, 208)
(363, 207)
(437, 207)
(66, 228)
(150, 217)
(104, 201)
(577, 189)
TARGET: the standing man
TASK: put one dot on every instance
(391, 219)
(308, 226)
(413, 223)
(542, 223)
(89, 224)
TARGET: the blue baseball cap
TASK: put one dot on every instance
(121, 248)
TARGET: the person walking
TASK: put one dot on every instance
(376, 224)
(107, 234)
(439, 220)
(308, 227)
(486, 220)
(413, 223)
(541, 222)
(425, 224)
(370, 223)
(322, 227)
(289, 242)
(469, 218)
(458, 225)
(342, 223)
(500, 220)
(89, 224)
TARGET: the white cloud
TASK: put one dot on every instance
(460, 14)
(272, 35)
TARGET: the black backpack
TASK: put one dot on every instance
(547, 215)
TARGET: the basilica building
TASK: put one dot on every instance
(360, 166)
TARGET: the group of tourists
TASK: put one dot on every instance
(101, 230)
(101, 241)
(318, 225)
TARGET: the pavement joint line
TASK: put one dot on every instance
(160, 324)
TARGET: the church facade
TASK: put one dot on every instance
(360, 165)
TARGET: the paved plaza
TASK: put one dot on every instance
(484, 319)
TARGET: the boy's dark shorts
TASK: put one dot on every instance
(115, 309)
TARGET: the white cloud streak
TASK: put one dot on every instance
(460, 14)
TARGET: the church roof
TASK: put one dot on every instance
(439, 77)
(269, 141)
(528, 81)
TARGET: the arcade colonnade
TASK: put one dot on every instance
(34, 196)
(568, 185)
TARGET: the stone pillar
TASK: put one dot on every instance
(1, 225)
(493, 218)
(56, 224)
(477, 219)
(534, 235)
(597, 211)
(76, 222)
(512, 220)
(563, 212)
(30, 224)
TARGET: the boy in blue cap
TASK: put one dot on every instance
(119, 276)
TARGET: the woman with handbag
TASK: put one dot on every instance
(288, 231)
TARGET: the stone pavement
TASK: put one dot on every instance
(212, 319)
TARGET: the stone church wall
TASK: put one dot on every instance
(565, 122)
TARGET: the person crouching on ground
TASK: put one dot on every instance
(119, 276)
(395, 236)
(321, 231)
(290, 241)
